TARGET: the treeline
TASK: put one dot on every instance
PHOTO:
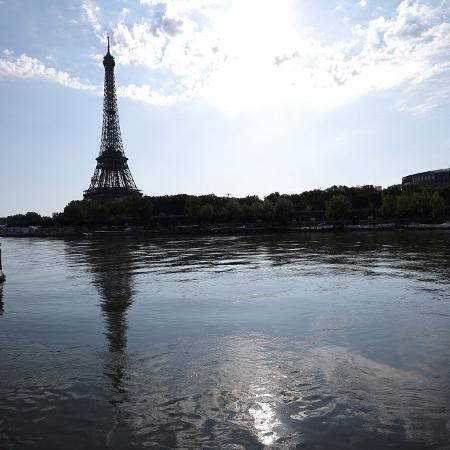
(27, 220)
(426, 204)
(332, 204)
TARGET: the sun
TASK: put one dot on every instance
(252, 33)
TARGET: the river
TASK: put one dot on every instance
(317, 341)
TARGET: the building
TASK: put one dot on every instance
(436, 178)
(112, 178)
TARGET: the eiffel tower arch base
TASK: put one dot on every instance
(104, 195)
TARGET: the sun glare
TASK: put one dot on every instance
(252, 34)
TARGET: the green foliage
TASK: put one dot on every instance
(170, 204)
(268, 209)
(389, 206)
(233, 208)
(437, 205)
(255, 210)
(272, 198)
(338, 207)
(25, 220)
(298, 202)
(146, 210)
(394, 202)
(128, 211)
(75, 213)
(314, 200)
(413, 203)
(393, 190)
(410, 188)
(207, 212)
(445, 194)
(33, 218)
(283, 209)
(420, 204)
(193, 208)
(96, 214)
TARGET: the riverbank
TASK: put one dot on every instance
(213, 229)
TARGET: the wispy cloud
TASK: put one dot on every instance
(90, 13)
(24, 66)
(146, 94)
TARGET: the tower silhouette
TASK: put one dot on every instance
(112, 178)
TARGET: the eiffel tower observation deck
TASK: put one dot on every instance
(112, 178)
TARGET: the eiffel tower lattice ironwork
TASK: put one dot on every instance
(112, 178)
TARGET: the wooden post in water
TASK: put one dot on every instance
(2, 275)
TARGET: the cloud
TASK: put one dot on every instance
(409, 48)
(146, 94)
(249, 52)
(181, 7)
(24, 66)
(90, 13)
(241, 55)
(172, 26)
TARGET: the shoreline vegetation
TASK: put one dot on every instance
(339, 208)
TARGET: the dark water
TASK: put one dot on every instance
(323, 341)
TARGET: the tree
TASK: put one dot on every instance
(410, 188)
(255, 210)
(338, 207)
(75, 213)
(283, 209)
(268, 209)
(298, 202)
(403, 206)
(314, 200)
(233, 208)
(207, 212)
(394, 190)
(18, 220)
(437, 205)
(444, 192)
(33, 218)
(420, 204)
(273, 197)
(96, 214)
(192, 208)
(132, 206)
(388, 207)
(146, 210)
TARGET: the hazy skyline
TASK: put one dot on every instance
(240, 96)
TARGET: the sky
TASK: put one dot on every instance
(240, 97)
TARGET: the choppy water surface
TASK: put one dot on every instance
(322, 341)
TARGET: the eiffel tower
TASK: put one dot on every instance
(112, 178)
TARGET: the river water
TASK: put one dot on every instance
(316, 341)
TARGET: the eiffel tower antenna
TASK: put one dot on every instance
(112, 178)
